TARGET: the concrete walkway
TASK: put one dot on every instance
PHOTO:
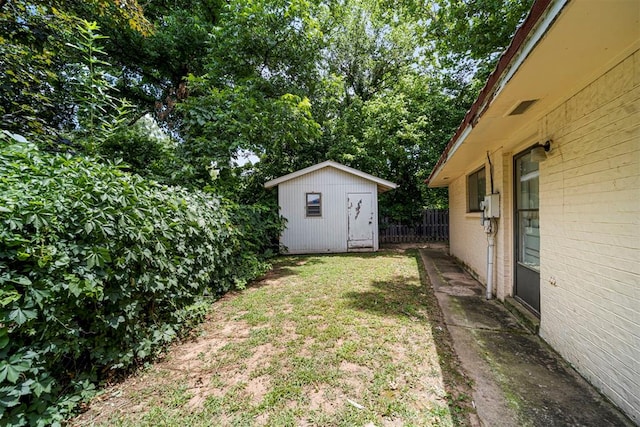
(518, 379)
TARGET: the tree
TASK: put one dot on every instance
(152, 69)
(255, 92)
(34, 50)
(151, 52)
(399, 136)
(390, 112)
(470, 35)
(28, 64)
(378, 85)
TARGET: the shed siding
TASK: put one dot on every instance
(329, 232)
(590, 234)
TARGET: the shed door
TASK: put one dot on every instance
(527, 232)
(360, 208)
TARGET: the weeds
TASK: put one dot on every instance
(322, 340)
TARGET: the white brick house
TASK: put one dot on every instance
(567, 239)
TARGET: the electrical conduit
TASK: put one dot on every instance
(491, 240)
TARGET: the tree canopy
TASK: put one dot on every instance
(156, 125)
(376, 85)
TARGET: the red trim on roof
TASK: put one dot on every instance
(474, 113)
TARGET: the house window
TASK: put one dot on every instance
(476, 187)
(314, 205)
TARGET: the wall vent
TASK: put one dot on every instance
(522, 107)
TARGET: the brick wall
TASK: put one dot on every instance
(503, 172)
(467, 241)
(590, 233)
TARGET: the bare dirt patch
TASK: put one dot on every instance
(348, 345)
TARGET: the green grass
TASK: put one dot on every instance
(322, 340)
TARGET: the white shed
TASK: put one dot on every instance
(329, 207)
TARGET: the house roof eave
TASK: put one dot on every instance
(503, 66)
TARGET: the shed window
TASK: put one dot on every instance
(476, 187)
(314, 204)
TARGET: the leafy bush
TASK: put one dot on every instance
(99, 270)
(144, 153)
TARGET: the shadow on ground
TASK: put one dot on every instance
(395, 297)
(285, 265)
(400, 297)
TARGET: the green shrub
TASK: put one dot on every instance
(99, 270)
(144, 153)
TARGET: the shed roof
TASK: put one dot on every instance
(559, 48)
(383, 184)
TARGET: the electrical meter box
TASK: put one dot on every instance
(491, 206)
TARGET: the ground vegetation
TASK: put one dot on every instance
(136, 136)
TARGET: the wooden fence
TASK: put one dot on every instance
(434, 227)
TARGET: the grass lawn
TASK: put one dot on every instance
(339, 340)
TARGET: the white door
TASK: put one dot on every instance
(360, 208)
